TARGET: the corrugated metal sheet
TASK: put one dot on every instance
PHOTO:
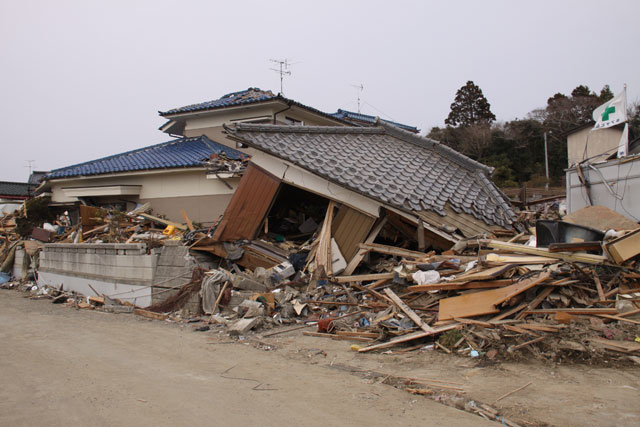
(614, 184)
(249, 205)
(350, 227)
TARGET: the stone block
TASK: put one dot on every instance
(245, 325)
(248, 284)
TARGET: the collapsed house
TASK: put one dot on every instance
(431, 194)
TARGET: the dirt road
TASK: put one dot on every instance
(62, 366)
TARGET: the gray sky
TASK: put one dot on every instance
(84, 79)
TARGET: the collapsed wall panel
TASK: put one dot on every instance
(249, 205)
(350, 228)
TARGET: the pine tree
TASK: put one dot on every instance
(470, 107)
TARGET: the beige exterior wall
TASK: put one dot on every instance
(210, 124)
(601, 142)
(202, 209)
(168, 191)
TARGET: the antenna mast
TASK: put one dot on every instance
(283, 70)
(29, 165)
(359, 89)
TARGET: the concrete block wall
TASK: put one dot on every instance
(125, 271)
(174, 269)
(117, 262)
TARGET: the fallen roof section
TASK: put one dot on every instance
(388, 164)
(178, 153)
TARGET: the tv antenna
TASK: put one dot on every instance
(282, 70)
(359, 89)
(30, 166)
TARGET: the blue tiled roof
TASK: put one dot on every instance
(179, 153)
(346, 115)
(249, 96)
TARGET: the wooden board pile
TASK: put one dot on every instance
(516, 300)
(94, 225)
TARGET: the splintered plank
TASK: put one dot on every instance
(150, 314)
(363, 277)
(187, 220)
(585, 311)
(163, 221)
(508, 313)
(621, 346)
(392, 250)
(448, 286)
(484, 302)
(618, 318)
(407, 310)
(410, 337)
(566, 256)
(337, 337)
(486, 274)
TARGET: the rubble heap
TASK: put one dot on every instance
(544, 293)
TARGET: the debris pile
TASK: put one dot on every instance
(493, 298)
(558, 291)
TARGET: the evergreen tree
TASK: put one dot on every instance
(470, 107)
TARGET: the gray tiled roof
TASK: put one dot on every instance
(18, 189)
(389, 164)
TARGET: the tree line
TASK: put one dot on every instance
(516, 148)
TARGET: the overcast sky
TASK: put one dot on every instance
(84, 79)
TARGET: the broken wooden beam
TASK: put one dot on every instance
(408, 311)
(150, 314)
(363, 277)
(449, 286)
(566, 256)
(163, 221)
(392, 250)
(410, 337)
(575, 247)
(585, 311)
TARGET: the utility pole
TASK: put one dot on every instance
(546, 161)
